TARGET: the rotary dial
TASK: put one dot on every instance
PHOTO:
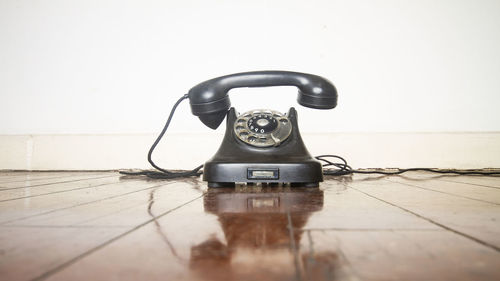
(262, 128)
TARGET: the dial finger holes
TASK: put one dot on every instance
(262, 128)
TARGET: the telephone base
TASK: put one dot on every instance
(297, 174)
(238, 162)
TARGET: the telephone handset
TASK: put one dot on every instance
(210, 102)
(260, 145)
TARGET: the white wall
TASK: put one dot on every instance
(113, 66)
(186, 151)
(116, 67)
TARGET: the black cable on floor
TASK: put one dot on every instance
(163, 173)
(342, 168)
(345, 169)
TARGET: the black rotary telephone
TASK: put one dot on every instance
(264, 145)
(260, 145)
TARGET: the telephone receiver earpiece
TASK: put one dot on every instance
(210, 102)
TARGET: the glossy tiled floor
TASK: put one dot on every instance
(100, 226)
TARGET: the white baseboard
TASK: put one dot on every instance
(184, 151)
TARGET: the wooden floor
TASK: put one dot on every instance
(101, 226)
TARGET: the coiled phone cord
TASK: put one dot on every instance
(341, 168)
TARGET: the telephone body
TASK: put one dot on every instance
(263, 145)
